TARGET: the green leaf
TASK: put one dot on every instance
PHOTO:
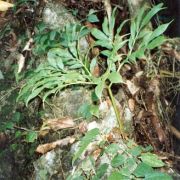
(106, 53)
(143, 169)
(53, 35)
(84, 111)
(104, 43)
(119, 43)
(83, 32)
(94, 98)
(58, 52)
(56, 62)
(102, 169)
(112, 149)
(151, 160)
(137, 54)
(53, 91)
(159, 31)
(150, 14)
(92, 11)
(76, 66)
(16, 117)
(136, 151)
(148, 148)
(129, 167)
(99, 34)
(115, 77)
(146, 39)
(18, 134)
(139, 17)
(158, 176)
(34, 94)
(112, 21)
(31, 136)
(86, 140)
(92, 18)
(93, 64)
(105, 27)
(156, 42)
(99, 89)
(118, 160)
(94, 110)
(133, 29)
(143, 33)
(117, 176)
(9, 125)
(14, 147)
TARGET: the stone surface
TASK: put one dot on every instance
(50, 166)
(67, 103)
(55, 15)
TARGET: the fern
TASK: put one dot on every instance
(67, 65)
(86, 140)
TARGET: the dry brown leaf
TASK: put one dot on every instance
(44, 148)
(57, 124)
(4, 6)
(43, 132)
(83, 127)
(97, 153)
(131, 104)
(154, 85)
(132, 87)
(21, 63)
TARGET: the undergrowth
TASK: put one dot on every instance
(68, 64)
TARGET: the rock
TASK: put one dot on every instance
(55, 15)
(109, 120)
(52, 166)
(67, 103)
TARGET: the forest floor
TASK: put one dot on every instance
(148, 96)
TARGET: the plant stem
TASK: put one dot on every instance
(118, 115)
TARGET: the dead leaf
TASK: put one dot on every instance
(154, 85)
(57, 124)
(28, 45)
(44, 148)
(139, 74)
(83, 127)
(132, 87)
(131, 104)
(21, 62)
(4, 6)
(43, 133)
(97, 153)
